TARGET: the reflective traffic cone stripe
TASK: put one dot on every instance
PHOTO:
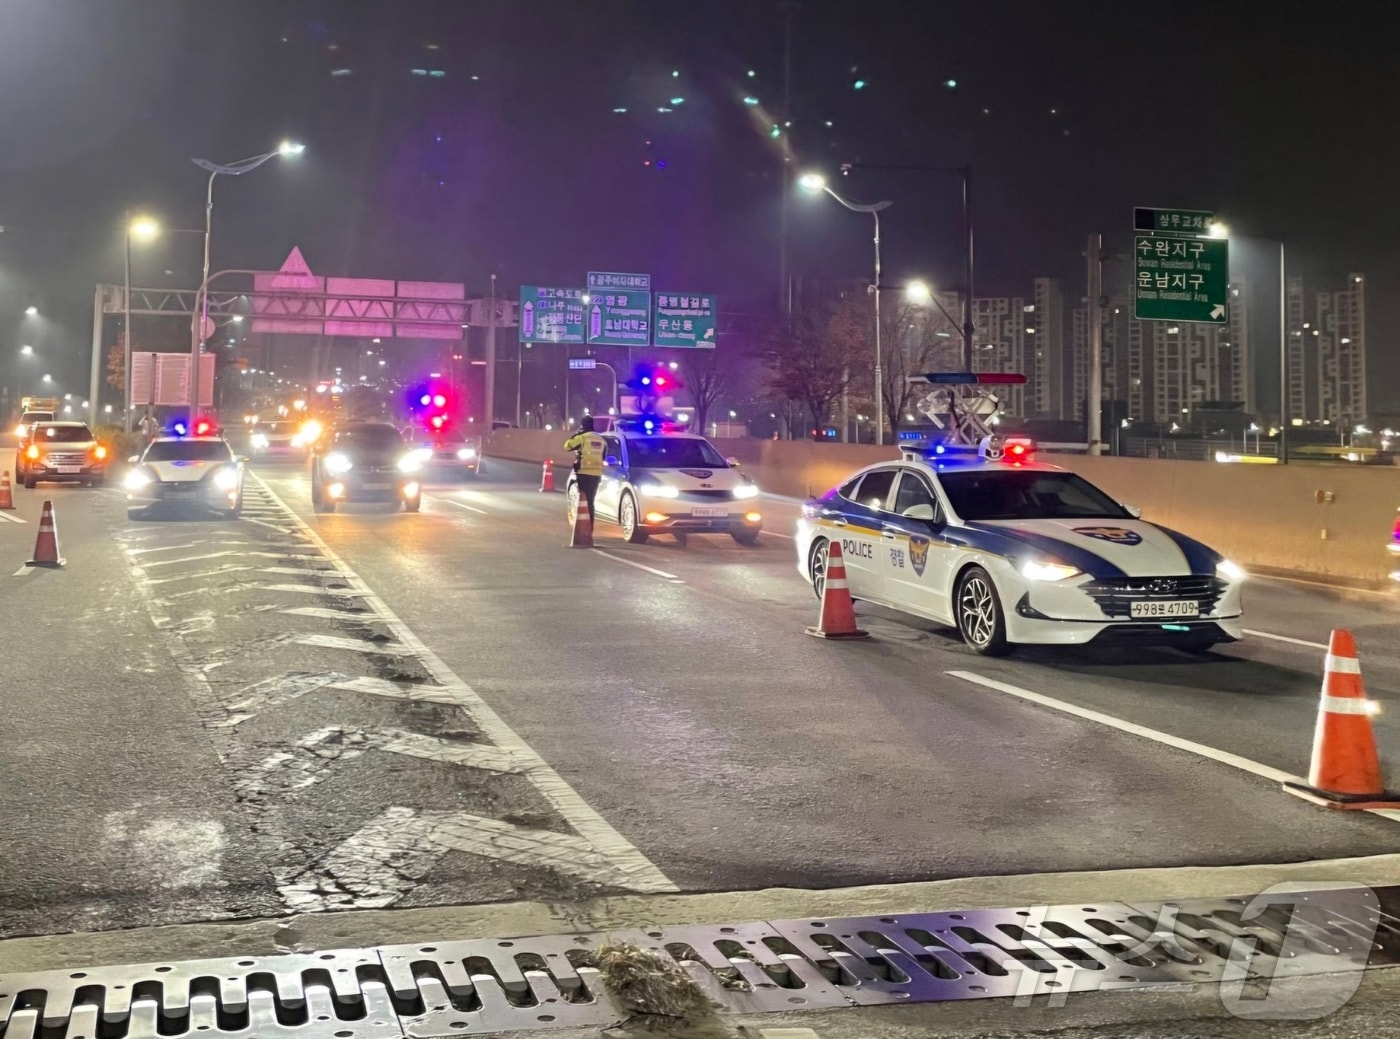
(7, 494)
(547, 480)
(46, 544)
(838, 615)
(1345, 771)
(582, 535)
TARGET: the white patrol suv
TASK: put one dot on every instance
(672, 483)
(199, 471)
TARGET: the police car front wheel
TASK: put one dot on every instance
(980, 619)
(816, 565)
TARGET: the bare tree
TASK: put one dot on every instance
(708, 377)
(810, 360)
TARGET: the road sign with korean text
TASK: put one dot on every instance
(551, 315)
(1172, 221)
(683, 319)
(1181, 279)
(618, 317)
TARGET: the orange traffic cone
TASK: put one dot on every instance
(46, 545)
(1345, 771)
(582, 534)
(547, 480)
(7, 494)
(838, 618)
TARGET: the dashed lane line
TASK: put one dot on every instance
(459, 504)
(1285, 638)
(599, 852)
(640, 566)
(12, 517)
(1224, 757)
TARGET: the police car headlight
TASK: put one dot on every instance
(226, 479)
(260, 440)
(746, 490)
(136, 479)
(337, 464)
(466, 453)
(659, 490)
(411, 462)
(1228, 571)
(1040, 570)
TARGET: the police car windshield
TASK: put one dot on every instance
(189, 451)
(1013, 494)
(673, 453)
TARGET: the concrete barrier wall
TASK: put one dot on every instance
(1261, 516)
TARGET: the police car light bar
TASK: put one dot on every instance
(969, 378)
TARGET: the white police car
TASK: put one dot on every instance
(189, 467)
(1011, 551)
(661, 482)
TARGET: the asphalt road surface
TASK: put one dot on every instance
(210, 719)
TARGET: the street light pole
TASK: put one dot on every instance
(232, 169)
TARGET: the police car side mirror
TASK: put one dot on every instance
(134, 459)
(1132, 510)
(919, 512)
(733, 463)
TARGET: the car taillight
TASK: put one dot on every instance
(99, 452)
(32, 452)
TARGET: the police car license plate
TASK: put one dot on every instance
(69, 470)
(378, 486)
(180, 493)
(710, 510)
(1166, 609)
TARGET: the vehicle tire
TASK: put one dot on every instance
(745, 537)
(627, 519)
(816, 564)
(234, 513)
(413, 504)
(681, 538)
(978, 610)
(29, 482)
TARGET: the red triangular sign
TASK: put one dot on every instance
(295, 273)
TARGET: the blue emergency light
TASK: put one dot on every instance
(971, 378)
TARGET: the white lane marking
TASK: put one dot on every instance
(1224, 757)
(299, 571)
(24, 569)
(1285, 638)
(309, 589)
(605, 855)
(12, 518)
(460, 504)
(250, 701)
(197, 575)
(778, 535)
(325, 613)
(175, 548)
(1190, 746)
(354, 645)
(412, 842)
(639, 566)
(1339, 589)
(191, 559)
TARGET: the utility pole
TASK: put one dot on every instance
(1094, 405)
(967, 329)
(489, 391)
(1283, 417)
(788, 8)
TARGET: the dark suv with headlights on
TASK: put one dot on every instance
(365, 462)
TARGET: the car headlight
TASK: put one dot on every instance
(226, 479)
(337, 464)
(136, 479)
(746, 490)
(1041, 570)
(259, 440)
(659, 490)
(99, 452)
(411, 462)
(466, 454)
(1229, 571)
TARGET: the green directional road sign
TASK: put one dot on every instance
(1172, 221)
(1182, 279)
(549, 315)
(618, 317)
(683, 319)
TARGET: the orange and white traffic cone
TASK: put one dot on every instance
(46, 544)
(582, 534)
(838, 617)
(1345, 770)
(547, 480)
(7, 494)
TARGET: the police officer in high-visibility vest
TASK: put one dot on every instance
(589, 451)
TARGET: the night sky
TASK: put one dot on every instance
(1283, 120)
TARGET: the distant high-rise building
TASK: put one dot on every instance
(1162, 370)
(1026, 336)
(1327, 351)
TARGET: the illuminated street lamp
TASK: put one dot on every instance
(815, 184)
(232, 169)
(31, 311)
